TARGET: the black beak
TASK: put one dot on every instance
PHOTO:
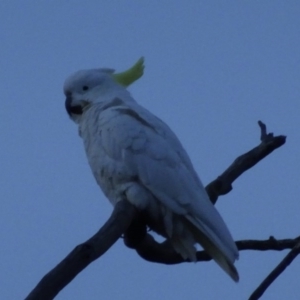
(71, 110)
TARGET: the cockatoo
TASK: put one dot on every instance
(134, 154)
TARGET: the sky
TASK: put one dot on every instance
(213, 69)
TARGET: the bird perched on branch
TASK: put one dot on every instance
(135, 156)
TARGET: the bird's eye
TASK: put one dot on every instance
(85, 88)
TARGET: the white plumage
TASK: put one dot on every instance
(134, 154)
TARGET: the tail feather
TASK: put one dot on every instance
(185, 248)
(216, 254)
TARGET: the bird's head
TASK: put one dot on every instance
(86, 87)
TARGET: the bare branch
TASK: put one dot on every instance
(164, 253)
(53, 282)
(266, 245)
(223, 184)
(276, 272)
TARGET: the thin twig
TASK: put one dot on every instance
(223, 184)
(164, 253)
(276, 272)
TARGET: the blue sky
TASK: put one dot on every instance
(213, 69)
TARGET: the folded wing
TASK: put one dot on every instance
(149, 150)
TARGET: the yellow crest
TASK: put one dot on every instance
(129, 76)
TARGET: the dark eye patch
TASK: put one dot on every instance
(85, 88)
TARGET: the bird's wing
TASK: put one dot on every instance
(139, 140)
(152, 151)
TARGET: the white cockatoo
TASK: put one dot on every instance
(134, 154)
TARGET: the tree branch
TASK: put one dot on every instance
(53, 282)
(163, 253)
(276, 272)
(223, 184)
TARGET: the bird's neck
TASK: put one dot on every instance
(104, 102)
